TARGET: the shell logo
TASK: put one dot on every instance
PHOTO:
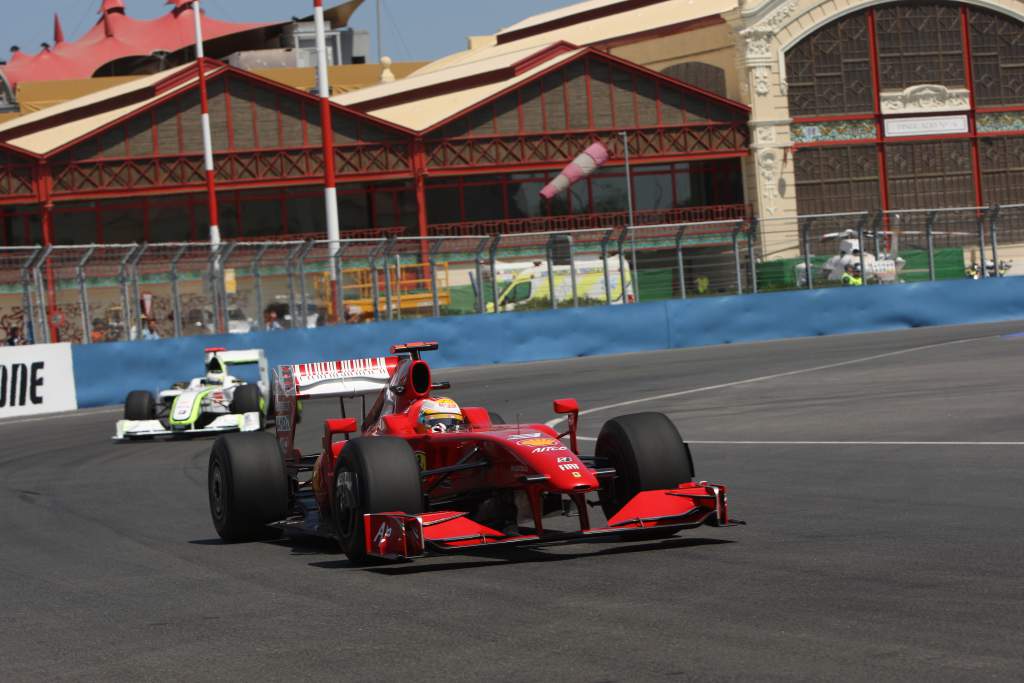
(543, 441)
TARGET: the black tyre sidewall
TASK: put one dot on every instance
(139, 405)
(388, 480)
(647, 453)
(246, 400)
(253, 483)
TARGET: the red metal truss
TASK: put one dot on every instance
(647, 144)
(17, 176)
(262, 168)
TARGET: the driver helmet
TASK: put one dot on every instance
(215, 372)
(438, 415)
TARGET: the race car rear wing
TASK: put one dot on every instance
(330, 379)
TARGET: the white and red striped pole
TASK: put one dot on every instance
(330, 180)
(211, 181)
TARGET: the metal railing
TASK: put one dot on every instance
(96, 293)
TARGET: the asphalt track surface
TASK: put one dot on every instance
(893, 559)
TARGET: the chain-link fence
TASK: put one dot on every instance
(112, 292)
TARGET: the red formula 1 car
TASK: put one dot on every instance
(421, 475)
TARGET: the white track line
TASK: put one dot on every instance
(765, 378)
(845, 443)
(54, 416)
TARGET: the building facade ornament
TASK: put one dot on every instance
(762, 74)
(923, 99)
(758, 38)
(768, 167)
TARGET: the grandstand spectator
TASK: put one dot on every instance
(14, 337)
(149, 331)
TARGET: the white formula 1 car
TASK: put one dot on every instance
(215, 403)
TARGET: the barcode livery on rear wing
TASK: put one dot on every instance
(343, 377)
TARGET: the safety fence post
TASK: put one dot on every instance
(982, 215)
(293, 254)
(136, 310)
(307, 246)
(494, 271)
(572, 272)
(27, 280)
(549, 250)
(752, 253)
(993, 220)
(929, 231)
(478, 259)
(435, 248)
(254, 268)
(861, 224)
(806, 232)
(339, 277)
(37, 276)
(374, 284)
(83, 294)
(388, 249)
(122, 278)
(622, 267)
(736, 258)
(604, 265)
(680, 264)
(223, 254)
(877, 233)
(175, 294)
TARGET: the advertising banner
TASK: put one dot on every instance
(36, 379)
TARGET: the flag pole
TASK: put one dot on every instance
(218, 306)
(330, 178)
(211, 182)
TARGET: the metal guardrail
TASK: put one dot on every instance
(94, 293)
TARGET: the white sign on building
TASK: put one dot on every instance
(926, 125)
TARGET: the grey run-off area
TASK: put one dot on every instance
(886, 544)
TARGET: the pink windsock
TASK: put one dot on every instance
(593, 158)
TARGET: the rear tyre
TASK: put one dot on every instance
(496, 419)
(140, 405)
(647, 453)
(375, 474)
(248, 486)
(246, 400)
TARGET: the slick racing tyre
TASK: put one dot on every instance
(248, 486)
(647, 453)
(495, 418)
(246, 400)
(374, 474)
(140, 405)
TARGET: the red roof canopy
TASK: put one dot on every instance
(116, 36)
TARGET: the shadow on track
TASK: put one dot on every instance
(514, 556)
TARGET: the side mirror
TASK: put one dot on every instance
(571, 409)
(344, 425)
(566, 406)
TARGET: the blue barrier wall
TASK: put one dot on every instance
(104, 373)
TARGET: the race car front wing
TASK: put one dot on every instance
(396, 535)
(127, 430)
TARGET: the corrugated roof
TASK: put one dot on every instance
(562, 13)
(590, 32)
(426, 112)
(421, 79)
(54, 137)
(93, 98)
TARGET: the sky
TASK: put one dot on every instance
(412, 29)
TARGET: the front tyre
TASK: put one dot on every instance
(647, 453)
(246, 399)
(140, 405)
(248, 486)
(373, 474)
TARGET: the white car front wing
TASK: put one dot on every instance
(144, 429)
